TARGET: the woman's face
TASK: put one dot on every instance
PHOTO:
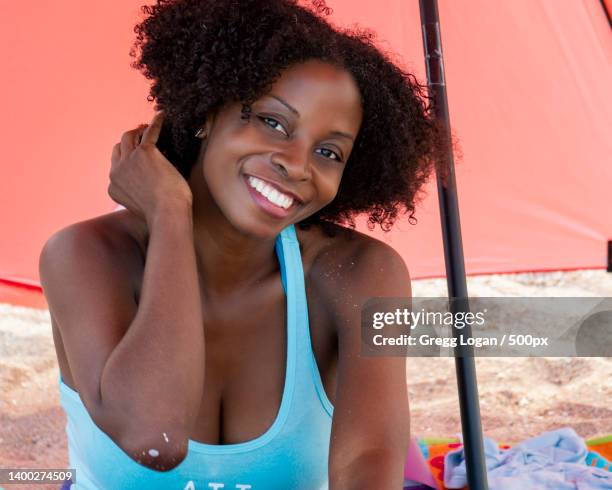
(286, 162)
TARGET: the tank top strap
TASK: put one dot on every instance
(292, 275)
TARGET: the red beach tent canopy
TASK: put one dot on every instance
(529, 94)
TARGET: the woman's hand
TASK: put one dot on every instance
(141, 178)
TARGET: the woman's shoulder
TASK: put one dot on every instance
(332, 242)
(338, 253)
(115, 238)
(351, 267)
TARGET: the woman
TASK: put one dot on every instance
(204, 340)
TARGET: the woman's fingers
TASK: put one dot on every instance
(151, 134)
(129, 140)
(115, 159)
(139, 132)
(116, 154)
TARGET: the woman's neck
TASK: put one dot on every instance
(229, 262)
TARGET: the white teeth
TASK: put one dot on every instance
(274, 196)
(270, 193)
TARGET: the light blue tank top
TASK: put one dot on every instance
(291, 454)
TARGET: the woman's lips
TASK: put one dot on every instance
(265, 205)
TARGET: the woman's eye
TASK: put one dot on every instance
(332, 155)
(274, 124)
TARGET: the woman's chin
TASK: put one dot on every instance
(255, 221)
(254, 225)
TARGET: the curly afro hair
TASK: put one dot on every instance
(202, 54)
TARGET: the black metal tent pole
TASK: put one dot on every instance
(453, 253)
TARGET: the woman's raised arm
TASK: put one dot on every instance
(138, 368)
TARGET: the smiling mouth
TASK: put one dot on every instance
(269, 199)
(272, 194)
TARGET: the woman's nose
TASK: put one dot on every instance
(293, 162)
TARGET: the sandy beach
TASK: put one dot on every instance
(520, 397)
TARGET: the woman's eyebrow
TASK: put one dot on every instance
(294, 110)
(286, 104)
(344, 135)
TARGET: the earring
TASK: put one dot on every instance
(201, 133)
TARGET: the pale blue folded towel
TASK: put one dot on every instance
(554, 460)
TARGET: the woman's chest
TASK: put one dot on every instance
(246, 360)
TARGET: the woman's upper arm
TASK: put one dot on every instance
(90, 295)
(371, 409)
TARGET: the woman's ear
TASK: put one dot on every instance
(204, 131)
